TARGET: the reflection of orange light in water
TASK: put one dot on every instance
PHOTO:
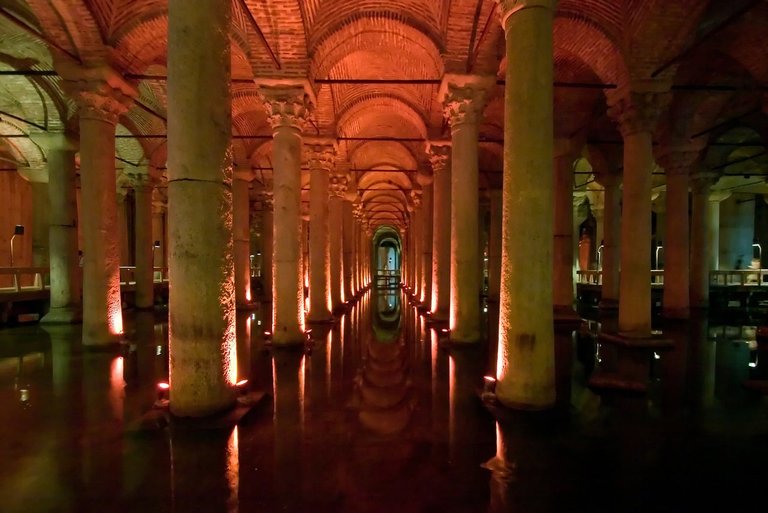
(451, 398)
(116, 387)
(230, 352)
(328, 354)
(248, 294)
(233, 470)
(302, 381)
(116, 322)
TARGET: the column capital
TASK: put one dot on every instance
(338, 184)
(702, 182)
(507, 8)
(287, 102)
(678, 162)
(139, 179)
(55, 141)
(568, 147)
(267, 200)
(424, 177)
(608, 179)
(463, 97)
(34, 174)
(244, 173)
(439, 153)
(719, 196)
(320, 153)
(635, 112)
(100, 92)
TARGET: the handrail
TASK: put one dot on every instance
(38, 278)
(595, 277)
(739, 277)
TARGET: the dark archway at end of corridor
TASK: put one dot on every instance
(387, 257)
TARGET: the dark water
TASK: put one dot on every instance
(379, 416)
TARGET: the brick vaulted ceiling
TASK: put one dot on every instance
(715, 53)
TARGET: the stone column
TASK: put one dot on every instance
(713, 227)
(463, 98)
(526, 360)
(417, 226)
(494, 245)
(159, 240)
(320, 154)
(347, 249)
(287, 105)
(562, 274)
(636, 114)
(338, 187)
(440, 158)
(425, 180)
(676, 248)
(611, 238)
(241, 235)
(202, 332)
(267, 246)
(38, 180)
(145, 288)
(101, 96)
(62, 231)
(700, 234)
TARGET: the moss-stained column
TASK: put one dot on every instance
(677, 164)
(701, 246)
(287, 105)
(241, 234)
(338, 188)
(202, 341)
(611, 239)
(348, 221)
(320, 156)
(62, 231)
(636, 114)
(463, 98)
(525, 367)
(143, 185)
(494, 243)
(102, 96)
(440, 158)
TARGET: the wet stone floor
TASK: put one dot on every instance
(380, 414)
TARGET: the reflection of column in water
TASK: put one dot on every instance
(329, 348)
(464, 428)
(215, 452)
(288, 392)
(731, 369)
(672, 367)
(701, 362)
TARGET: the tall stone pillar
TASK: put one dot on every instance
(417, 237)
(440, 158)
(636, 114)
(101, 96)
(562, 274)
(287, 106)
(320, 154)
(677, 165)
(713, 227)
(65, 276)
(145, 288)
(425, 180)
(241, 234)
(700, 239)
(526, 360)
(38, 180)
(202, 333)
(347, 213)
(338, 187)
(463, 98)
(494, 244)
(159, 240)
(611, 239)
(267, 246)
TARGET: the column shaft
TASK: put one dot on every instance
(526, 360)
(319, 249)
(441, 232)
(64, 263)
(494, 245)
(267, 249)
(701, 218)
(611, 237)
(335, 223)
(202, 339)
(562, 275)
(426, 237)
(347, 242)
(676, 253)
(145, 287)
(241, 236)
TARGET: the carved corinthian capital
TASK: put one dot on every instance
(99, 92)
(464, 97)
(288, 103)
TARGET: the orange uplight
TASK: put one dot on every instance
(241, 382)
(163, 386)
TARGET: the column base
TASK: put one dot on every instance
(246, 306)
(63, 315)
(626, 364)
(107, 343)
(322, 319)
(566, 318)
(676, 313)
(636, 342)
(608, 305)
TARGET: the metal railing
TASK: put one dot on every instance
(13, 279)
(387, 278)
(595, 277)
(739, 277)
(128, 274)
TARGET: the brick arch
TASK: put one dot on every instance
(23, 149)
(72, 25)
(377, 31)
(371, 154)
(573, 108)
(592, 45)
(358, 117)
